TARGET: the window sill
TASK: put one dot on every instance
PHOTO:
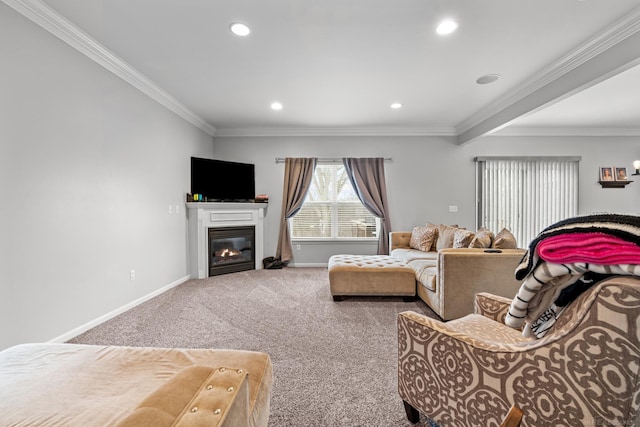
(333, 241)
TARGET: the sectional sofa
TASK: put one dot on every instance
(455, 264)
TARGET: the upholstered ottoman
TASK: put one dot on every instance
(370, 275)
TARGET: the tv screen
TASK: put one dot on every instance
(223, 181)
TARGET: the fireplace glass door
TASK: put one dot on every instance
(231, 249)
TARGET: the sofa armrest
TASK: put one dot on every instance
(464, 272)
(197, 395)
(399, 240)
(494, 307)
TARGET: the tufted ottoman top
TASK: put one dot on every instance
(366, 262)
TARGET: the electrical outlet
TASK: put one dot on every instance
(453, 208)
(170, 209)
(177, 209)
(298, 247)
(132, 275)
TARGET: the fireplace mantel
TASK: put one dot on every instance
(205, 215)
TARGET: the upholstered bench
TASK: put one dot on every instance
(370, 275)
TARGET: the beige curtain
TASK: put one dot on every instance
(367, 177)
(298, 173)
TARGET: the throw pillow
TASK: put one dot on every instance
(435, 241)
(505, 240)
(422, 238)
(446, 234)
(462, 238)
(416, 237)
(483, 239)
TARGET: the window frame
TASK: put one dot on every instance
(335, 223)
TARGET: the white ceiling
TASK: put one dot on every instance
(337, 65)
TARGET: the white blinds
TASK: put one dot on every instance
(526, 195)
(332, 209)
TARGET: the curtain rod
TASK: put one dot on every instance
(529, 158)
(328, 160)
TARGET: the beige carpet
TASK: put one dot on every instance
(334, 362)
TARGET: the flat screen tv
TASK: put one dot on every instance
(223, 181)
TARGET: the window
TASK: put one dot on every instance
(332, 209)
(526, 194)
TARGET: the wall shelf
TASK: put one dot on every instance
(614, 184)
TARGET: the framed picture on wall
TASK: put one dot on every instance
(606, 173)
(621, 174)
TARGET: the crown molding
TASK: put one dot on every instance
(618, 31)
(56, 24)
(334, 131)
(565, 131)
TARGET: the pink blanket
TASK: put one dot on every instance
(596, 248)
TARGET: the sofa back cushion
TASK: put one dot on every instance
(446, 234)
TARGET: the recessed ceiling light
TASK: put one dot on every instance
(487, 78)
(447, 27)
(239, 29)
(276, 106)
(396, 105)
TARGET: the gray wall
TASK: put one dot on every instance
(88, 168)
(428, 174)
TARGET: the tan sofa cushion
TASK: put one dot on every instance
(422, 238)
(426, 272)
(408, 255)
(505, 240)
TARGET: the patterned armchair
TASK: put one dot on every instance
(470, 371)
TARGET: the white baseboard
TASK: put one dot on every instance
(79, 330)
(309, 264)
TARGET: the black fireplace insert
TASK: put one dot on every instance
(231, 249)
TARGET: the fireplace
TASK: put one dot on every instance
(231, 249)
(203, 216)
